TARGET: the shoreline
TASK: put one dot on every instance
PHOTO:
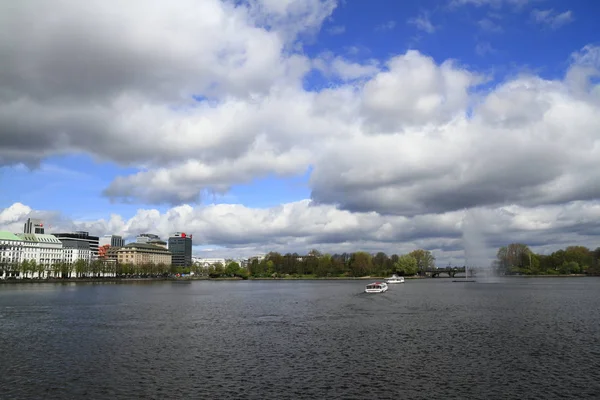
(289, 278)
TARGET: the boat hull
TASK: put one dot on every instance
(377, 287)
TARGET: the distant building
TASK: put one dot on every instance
(83, 237)
(143, 253)
(111, 255)
(33, 226)
(74, 249)
(11, 248)
(180, 245)
(45, 250)
(146, 237)
(209, 262)
(111, 240)
(159, 243)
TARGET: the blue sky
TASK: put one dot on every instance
(73, 130)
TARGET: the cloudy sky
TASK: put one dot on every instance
(287, 125)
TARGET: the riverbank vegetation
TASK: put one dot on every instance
(273, 265)
(316, 264)
(518, 259)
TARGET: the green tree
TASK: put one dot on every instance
(425, 259)
(232, 269)
(40, 270)
(406, 265)
(581, 255)
(514, 257)
(25, 267)
(324, 266)
(361, 264)
(80, 267)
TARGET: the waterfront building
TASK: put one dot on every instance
(74, 250)
(10, 254)
(33, 226)
(45, 250)
(205, 263)
(180, 245)
(143, 253)
(110, 255)
(111, 240)
(83, 237)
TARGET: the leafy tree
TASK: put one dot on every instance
(580, 255)
(324, 266)
(406, 265)
(25, 267)
(361, 264)
(425, 259)
(81, 268)
(232, 269)
(513, 257)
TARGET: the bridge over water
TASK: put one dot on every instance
(435, 272)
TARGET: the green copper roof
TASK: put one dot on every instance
(8, 236)
(38, 237)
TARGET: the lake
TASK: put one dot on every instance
(512, 338)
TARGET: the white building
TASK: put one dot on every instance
(74, 250)
(45, 253)
(44, 250)
(208, 262)
(10, 253)
(111, 240)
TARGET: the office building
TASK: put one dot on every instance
(81, 236)
(74, 250)
(33, 226)
(180, 245)
(146, 237)
(143, 253)
(46, 251)
(112, 241)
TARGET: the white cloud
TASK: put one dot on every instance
(484, 48)
(415, 91)
(236, 230)
(336, 30)
(551, 18)
(493, 3)
(386, 26)
(410, 137)
(423, 23)
(488, 25)
(337, 67)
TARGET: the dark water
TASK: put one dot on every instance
(517, 339)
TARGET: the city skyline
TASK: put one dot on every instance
(452, 126)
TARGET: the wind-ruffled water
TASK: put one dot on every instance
(522, 338)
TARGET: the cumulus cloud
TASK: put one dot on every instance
(423, 23)
(200, 96)
(488, 25)
(552, 19)
(234, 230)
(492, 3)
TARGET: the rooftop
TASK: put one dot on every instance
(4, 235)
(38, 237)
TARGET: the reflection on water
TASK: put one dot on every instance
(517, 338)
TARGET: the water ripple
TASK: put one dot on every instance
(520, 339)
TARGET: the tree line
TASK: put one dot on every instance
(517, 258)
(273, 264)
(356, 264)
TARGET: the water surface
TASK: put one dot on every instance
(517, 338)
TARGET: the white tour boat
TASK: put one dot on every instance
(376, 287)
(395, 279)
